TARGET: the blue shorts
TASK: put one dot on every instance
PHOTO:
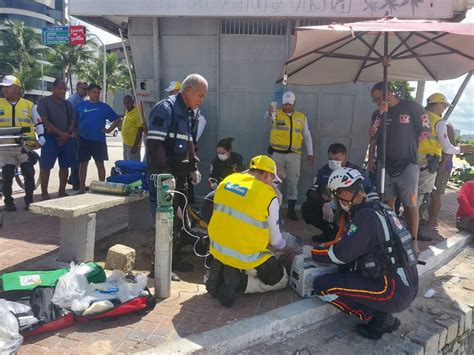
(51, 150)
(94, 149)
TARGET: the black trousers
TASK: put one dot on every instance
(8, 174)
(312, 212)
(355, 294)
(180, 237)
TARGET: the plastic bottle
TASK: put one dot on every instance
(273, 112)
(110, 188)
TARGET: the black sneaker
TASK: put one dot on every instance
(10, 208)
(423, 237)
(291, 214)
(375, 331)
(182, 266)
(215, 278)
(231, 286)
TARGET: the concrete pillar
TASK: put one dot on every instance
(77, 238)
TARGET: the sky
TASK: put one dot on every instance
(463, 115)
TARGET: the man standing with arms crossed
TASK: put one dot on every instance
(57, 115)
(288, 129)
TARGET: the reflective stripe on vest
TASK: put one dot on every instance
(19, 115)
(239, 231)
(286, 133)
(240, 216)
(248, 258)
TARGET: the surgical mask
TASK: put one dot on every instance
(344, 207)
(223, 157)
(334, 164)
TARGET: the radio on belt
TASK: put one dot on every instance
(303, 272)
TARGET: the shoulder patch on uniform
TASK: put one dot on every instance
(351, 230)
(236, 189)
(2, 111)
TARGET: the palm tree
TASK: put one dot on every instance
(71, 59)
(117, 76)
(20, 53)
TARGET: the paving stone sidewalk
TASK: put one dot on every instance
(441, 324)
(30, 241)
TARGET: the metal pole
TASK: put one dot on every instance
(420, 92)
(384, 118)
(458, 95)
(142, 116)
(42, 76)
(104, 69)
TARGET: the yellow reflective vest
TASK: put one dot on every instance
(287, 132)
(431, 144)
(19, 115)
(238, 230)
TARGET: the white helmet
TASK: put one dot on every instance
(343, 177)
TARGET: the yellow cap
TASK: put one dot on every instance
(173, 85)
(438, 98)
(265, 163)
(9, 80)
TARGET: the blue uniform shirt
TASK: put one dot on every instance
(171, 119)
(91, 118)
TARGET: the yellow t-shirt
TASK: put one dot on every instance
(131, 123)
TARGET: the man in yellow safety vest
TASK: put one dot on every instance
(288, 130)
(16, 111)
(243, 227)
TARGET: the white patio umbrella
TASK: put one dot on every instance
(387, 49)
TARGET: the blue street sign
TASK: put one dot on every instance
(55, 35)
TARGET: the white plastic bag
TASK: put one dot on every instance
(71, 286)
(10, 338)
(127, 290)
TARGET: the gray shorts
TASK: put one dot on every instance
(403, 186)
(128, 155)
(12, 156)
(426, 182)
(441, 182)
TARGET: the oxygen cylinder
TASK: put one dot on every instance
(110, 188)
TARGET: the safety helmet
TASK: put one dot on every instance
(343, 178)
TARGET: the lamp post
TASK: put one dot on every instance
(104, 83)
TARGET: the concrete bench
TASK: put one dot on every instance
(77, 216)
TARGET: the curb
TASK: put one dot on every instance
(242, 334)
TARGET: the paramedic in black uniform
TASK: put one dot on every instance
(377, 275)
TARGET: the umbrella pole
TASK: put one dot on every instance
(384, 117)
(458, 95)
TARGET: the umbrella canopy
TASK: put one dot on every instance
(352, 52)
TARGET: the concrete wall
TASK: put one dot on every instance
(241, 71)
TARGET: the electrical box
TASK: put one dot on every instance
(146, 89)
(303, 272)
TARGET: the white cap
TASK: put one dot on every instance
(9, 80)
(288, 98)
(173, 85)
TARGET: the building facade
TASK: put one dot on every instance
(35, 14)
(240, 47)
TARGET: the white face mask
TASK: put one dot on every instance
(334, 164)
(223, 157)
(345, 207)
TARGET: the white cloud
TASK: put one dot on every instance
(463, 115)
